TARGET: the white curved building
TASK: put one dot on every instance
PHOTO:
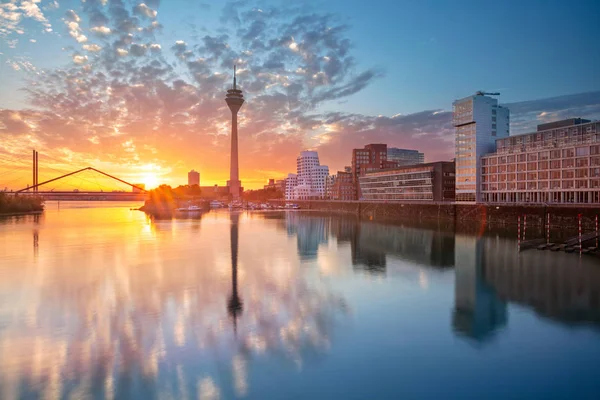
(310, 181)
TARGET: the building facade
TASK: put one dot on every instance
(420, 182)
(373, 157)
(405, 156)
(290, 183)
(560, 163)
(310, 181)
(193, 178)
(478, 122)
(342, 187)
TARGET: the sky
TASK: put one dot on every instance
(137, 88)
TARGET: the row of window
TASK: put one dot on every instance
(543, 175)
(543, 155)
(542, 165)
(547, 185)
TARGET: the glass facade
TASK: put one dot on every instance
(429, 182)
(465, 150)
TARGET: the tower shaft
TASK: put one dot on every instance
(234, 172)
(234, 100)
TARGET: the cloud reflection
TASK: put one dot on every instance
(124, 313)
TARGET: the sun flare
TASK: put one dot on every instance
(150, 180)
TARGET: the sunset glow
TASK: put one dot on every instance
(120, 85)
(150, 180)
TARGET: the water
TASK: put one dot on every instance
(97, 301)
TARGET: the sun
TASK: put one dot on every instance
(150, 180)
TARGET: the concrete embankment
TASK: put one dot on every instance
(560, 216)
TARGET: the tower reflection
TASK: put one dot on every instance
(234, 304)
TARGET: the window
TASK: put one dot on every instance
(582, 151)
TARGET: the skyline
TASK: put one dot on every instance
(138, 89)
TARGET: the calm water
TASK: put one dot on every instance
(97, 301)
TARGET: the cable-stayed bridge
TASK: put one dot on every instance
(58, 183)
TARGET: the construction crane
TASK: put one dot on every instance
(482, 93)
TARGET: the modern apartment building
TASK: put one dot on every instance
(372, 157)
(193, 178)
(478, 122)
(405, 156)
(422, 182)
(559, 163)
(310, 180)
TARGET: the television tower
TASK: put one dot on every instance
(234, 101)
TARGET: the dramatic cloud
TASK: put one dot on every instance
(14, 12)
(134, 99)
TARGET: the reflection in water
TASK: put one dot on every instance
(478, 311)
(111, 304)
(133, 308)
(564, 287)
(310, 232)
(234, 305)
(489, 273)
(371, 243)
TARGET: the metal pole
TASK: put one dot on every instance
(524, 226)
(37, 171)
(519, 233)
(596, 232)
(33, 184)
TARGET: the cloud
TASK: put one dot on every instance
(165, 97)
(144, 11)
(80, 59)
(14, 12)
(72, 21)
(94, 48)
(101, 30)
(138, 50)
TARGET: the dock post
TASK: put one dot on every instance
(548, 230)
(519, 233)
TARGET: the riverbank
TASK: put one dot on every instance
(561, 216)
(18, 205)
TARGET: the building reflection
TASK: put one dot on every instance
(372, 243)
(557, 285)
(310, 231)
(478, 310)
(490, 273)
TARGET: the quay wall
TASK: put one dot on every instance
(501, 214)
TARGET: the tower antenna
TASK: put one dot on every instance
(234, 77)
